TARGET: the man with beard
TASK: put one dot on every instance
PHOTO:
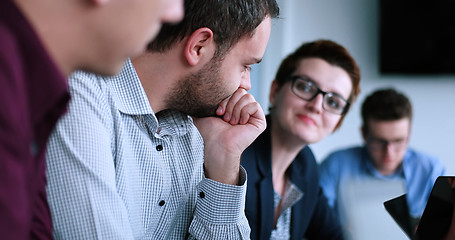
(127, 162)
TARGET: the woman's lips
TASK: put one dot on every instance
(307, 120)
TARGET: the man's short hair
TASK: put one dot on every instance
(229, 20)
(386, 105)
(328, 51)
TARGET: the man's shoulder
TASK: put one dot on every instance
(8, 39)
(343, 161)
(421, 158)
(10, 32)
(346, 154)
(100, 86)
(85, 76)
(11, 56)
(88, 88)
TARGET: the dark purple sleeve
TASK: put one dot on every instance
(41, 228)
(15, 134)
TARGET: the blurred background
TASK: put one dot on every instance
(355, 24)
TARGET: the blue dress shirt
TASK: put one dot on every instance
(418, 171)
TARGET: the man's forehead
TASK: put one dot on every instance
(254, 47)
(389, 127)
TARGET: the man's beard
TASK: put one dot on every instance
(199, 94)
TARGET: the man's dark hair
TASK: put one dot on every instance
(230, 20)
(386, 105)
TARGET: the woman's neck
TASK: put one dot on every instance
(284, 151)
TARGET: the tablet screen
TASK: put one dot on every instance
(437, 216)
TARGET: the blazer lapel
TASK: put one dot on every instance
(297, 177)
(265, 185)
(267, 208)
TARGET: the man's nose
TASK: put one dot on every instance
(245, 82)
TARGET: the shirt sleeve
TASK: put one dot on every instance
(81, 189)
(15, 153)
(421, 171)
(220, 211)
(438, 170)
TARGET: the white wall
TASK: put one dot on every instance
(354, 24)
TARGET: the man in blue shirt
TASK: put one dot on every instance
(386, 116)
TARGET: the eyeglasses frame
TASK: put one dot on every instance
(294, 79)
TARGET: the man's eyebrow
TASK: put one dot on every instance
(254, 60)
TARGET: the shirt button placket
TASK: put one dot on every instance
(159, 148)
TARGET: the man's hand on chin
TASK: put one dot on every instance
(241, 121)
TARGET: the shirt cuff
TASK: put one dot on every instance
(220, 203)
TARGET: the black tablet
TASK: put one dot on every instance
(398, 209)
(437, 216)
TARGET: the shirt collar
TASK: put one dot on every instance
(398, 174)
(131, 99)
(130, 96)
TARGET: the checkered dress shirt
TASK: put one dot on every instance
(118, 171)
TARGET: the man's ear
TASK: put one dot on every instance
(273, 91)
(200, 45)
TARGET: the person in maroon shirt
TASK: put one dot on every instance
(41, 43)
